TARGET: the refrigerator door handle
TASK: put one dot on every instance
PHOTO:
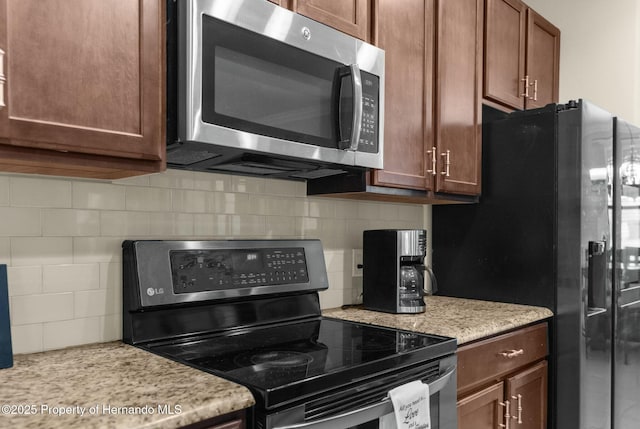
(596, 281)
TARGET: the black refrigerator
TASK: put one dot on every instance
(557, 226)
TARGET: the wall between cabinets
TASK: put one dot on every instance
(599, 53)
(61, 240)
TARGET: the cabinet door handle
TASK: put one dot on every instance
(447, 162)
(519, 398)
(3, 79)
(525, 94)
(507, 415)
(535, 90)
(432, 152)
(510, 354)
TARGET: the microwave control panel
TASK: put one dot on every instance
(370, 118)
(219, 269)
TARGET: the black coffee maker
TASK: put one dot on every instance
(393, 270)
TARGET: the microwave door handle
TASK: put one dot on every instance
(368, 413)
(356, 121)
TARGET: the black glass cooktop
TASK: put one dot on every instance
(290, 360)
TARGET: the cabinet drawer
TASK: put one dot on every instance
(495, 357)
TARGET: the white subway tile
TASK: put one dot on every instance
(40, 192)
(170, 224)
(5, 251)
(70, 277)
(247, 225)
(331, 298)
(111, 327)
(335, 260)
(18, 221)
(119, 224)
(133, 181)
(289, 188)
(411, 212)
(334, 233)
(322, 208)
(27, 338)
(187, 201)
(4, 191)
(27, 309)
(24, 280)
(94, 195)
(346, 209)
(212, 182)
(336, 280)
(148, 199)
(69, 222)
(311, 227)
(99, 302)
(58, 335)
(279, 206)
(252, 185)
(176, 179)
(280, 226)
(258, 204)
(368, 211)
(97, 249)
(389, 211)
(228, 202)
(41, 251)
(110, 275)
(211, 225)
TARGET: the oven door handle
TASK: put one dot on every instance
(368, 413)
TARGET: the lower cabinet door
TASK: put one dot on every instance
(482, 410)
(527, 395)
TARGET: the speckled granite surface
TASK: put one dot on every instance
(464, 319)
(100, 379)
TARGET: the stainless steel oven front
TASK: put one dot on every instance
(255, 78)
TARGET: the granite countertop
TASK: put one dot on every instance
(464, 319)
(115, 385)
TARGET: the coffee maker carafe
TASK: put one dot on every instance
(393, 270)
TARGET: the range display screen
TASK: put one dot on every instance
(211, 270)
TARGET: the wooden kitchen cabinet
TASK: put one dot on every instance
(84, 88)
(522, 56)
(458, 109)
(349, 16)
(233, 420)
(504, 378)
(433, 120)
(409, 91)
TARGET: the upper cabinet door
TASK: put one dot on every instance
(543, 61)
(459, 96)
(504, 52)
(349, 16)
(84, 77)
(409, 59)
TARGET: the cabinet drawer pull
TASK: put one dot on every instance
(507, 415)
(432, 152)
(447, 162)
(510, 354)
(519, 398)
(3, 79)
(525, 94)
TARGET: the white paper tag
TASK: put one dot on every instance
(410, 406)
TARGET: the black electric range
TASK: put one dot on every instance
(249, 311)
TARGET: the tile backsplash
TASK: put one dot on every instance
(61, 239)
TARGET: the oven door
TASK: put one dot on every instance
(442, 386)
(257, 77)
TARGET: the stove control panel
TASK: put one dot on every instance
(221, 269)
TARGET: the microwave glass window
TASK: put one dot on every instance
(253, 83)
(251, 89)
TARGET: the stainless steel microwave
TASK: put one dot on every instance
(257, 89)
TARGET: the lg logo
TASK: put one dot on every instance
(151, 291)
